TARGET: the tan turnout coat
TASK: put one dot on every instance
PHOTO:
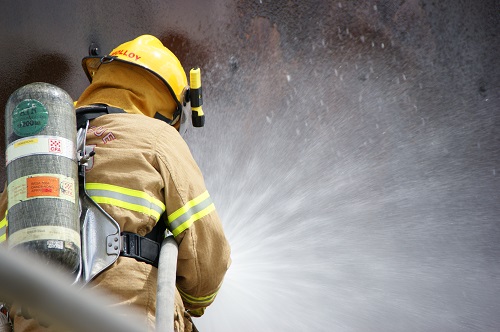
(142, 173)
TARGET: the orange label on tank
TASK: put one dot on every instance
(42, 186)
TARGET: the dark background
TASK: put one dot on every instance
(352, 148)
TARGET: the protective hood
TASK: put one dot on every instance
(132, 89)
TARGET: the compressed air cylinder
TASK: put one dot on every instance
(42, 174)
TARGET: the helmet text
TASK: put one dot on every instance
(126, 53)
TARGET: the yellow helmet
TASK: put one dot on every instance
(148, 52)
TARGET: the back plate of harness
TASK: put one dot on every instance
(102, 241)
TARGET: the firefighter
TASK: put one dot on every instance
(142, 174)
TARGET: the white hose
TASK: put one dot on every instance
(165, 294)
(47, 291)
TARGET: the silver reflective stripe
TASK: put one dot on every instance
(190, 212)
(130, 199)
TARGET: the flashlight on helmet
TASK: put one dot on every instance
(196, 98)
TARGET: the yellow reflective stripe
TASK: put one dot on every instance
(189, 205)
(125, 191)
(203, 300)
(193, 210)
(3, 229)
(125, 205)
(126, 198)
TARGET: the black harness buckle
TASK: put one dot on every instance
(141, 248)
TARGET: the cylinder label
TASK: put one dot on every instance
(53, 145)
(44, 233)
(29, 117)
(41, 186)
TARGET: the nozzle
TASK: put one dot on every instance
(196, 97)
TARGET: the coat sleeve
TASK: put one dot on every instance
(204, 253)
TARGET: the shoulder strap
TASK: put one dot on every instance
(87, 113)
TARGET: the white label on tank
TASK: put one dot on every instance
(41, 186)
(44, 233)
(42, 144)
(55, 244)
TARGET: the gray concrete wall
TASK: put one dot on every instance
(351, 147)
